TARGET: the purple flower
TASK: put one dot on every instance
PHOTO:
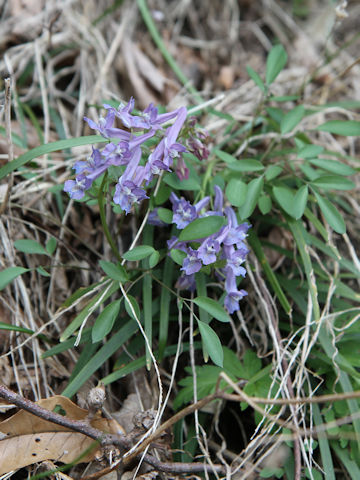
(154, 219)
(181, 169)
(147, 119)
(117, 154)
(208, 250)
(127, 193)
(128, 189)
(76, 188)
(237, 233)
(186, 282)
(184, 212)
(104, 127)
(174, 243)
(234, 295)
(191, 263)
(235, 258)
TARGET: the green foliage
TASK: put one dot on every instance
(284, 180)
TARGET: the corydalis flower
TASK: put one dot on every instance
(227, 245)
(233, 295)
(184, 212)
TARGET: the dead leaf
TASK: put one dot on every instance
(24, 450)
(33, 439)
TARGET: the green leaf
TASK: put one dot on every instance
(134, 305)
(300, 201)
(41, 270)
(291, 119)
(333, 182)
(105, 321)
(9, 274)
(165, 214)
(212, 307)
(154, 259)
(253, 192)
(30, 246)
(265, 204)
(212, 343)
(285, 198)
(201, 228)
(225, 157)
(236, 192)
(256, 78)
(48, 148)
(348, 128)
(173, 181)
(272, 172)
(268, 472)
(246, 165)
(138, 253)
(310, 151)
(116, 272)
(333, 166)
(51, 245)
(331, 214)
(178, 256)
(275, 62)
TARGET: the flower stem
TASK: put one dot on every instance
(103, 220)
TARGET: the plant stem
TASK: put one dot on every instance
(103, 220)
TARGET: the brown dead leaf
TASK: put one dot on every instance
(38, 439)
(66, 447)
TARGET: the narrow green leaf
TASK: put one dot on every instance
(99, 359)
(9, 274)
(212, 343)
(292, 119)
(165, 298)
(256, 78)
(333, 166)
(253, 193)
(15, 328)
(310, 151)
(89, 309)
(48, 148)
(331, 214)
(30, 246)
(272, 278)
(41, 270)
(116, 272)
(348, 128)
(246, 165)
(275, 62)
(300, 201)
(105, 321)
(236, 192)
(201, 228)
(135, 307)
(333, 182)
(138, 253)
(51, 245)
(213, 308)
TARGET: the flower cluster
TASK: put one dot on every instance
(124, 149)
(227, 245)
